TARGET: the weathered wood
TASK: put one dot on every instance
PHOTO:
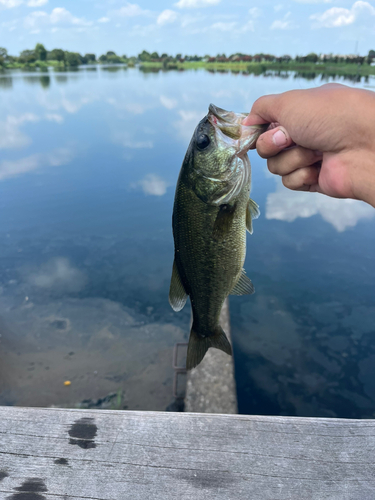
(211, 386)
(118, 455)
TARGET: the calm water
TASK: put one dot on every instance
(88, 165)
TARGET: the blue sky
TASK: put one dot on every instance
(189, 26)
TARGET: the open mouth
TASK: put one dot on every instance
(232, 131)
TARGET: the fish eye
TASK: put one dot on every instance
(203, 141)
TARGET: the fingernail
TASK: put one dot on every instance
(279, 138)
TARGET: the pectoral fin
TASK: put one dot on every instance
(223, 221)
(243, 286)
(177, 293)
(252, 212)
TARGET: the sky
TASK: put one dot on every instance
(200, 27)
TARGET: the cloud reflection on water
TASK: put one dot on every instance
(58, 274)
(152, 184)
(286, 205)
(168, 102)
(13, 168)
(187, 123)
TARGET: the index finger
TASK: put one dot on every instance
(264, 110)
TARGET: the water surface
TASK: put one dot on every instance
(88, 164)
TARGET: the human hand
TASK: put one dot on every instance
(329, 133)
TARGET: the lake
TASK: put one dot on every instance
(88, 165)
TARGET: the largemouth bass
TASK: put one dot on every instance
(211, 213)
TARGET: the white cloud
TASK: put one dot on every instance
(36, 3)
(223, 26)
(283, 24)
(9, 4)
(278, 7)
(338, 16)
(249, 26)
(167, 102)
(152, 184)
(131, 10)
(14, 168)
(58, 274)
(287, 206)
(166, 17)
(314, 1)
(188, 20)
(58, 16)
(54, 117)
(182, 4)
(103, 20)
(144, 31)
(255, 12)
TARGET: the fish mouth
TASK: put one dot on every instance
(228, 125)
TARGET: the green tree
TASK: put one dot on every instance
(91, 58)
(144, 56)
(114, 59)
(3, 56)
(370, 56)
(56, 55)
(27, 57)
(40, 52)
(73, 59)
(312, 57)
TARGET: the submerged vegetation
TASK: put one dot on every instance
(308, 66)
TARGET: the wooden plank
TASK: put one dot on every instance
(211, 386)
(49, 454)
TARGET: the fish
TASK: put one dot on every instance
(211, 213)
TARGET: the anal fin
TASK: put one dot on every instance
(243, 286)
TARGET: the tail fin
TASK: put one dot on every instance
(198, 346)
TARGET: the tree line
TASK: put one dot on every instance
(41, 56)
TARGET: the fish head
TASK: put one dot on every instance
(217, 156)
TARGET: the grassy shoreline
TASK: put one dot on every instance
(310, 69)
(262, 67)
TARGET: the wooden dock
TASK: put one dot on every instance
(50, 454)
